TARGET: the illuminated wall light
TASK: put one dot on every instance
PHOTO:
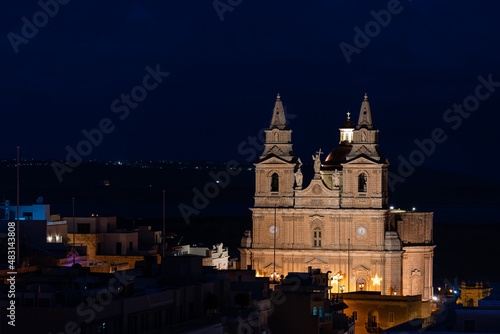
(376, 280)
(49, 238)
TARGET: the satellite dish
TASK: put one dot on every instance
(39, 200)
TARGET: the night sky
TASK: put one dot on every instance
(224, 76)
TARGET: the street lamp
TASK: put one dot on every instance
(337, 277)
(361, 286)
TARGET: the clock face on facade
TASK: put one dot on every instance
(361, 231)
(273, 229)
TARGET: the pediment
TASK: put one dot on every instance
(273, 159)
(361, 159)
(361, 268)
(315, 189)
(363, 150)
(316, 261)
(271, 266)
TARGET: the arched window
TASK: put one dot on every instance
(275, 182)
(317, 237)
(360, 284)
(362, 183)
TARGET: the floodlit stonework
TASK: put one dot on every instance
(340, 222)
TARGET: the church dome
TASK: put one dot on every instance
(336, 157)
(348, 125)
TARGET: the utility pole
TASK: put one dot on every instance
(163, 231)
(17, 215)
(74, 231)
(274, 248)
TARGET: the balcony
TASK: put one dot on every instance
(372, 327)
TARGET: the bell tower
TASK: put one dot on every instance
(276, 166)
(365, 169)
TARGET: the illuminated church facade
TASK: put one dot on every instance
(340, 222)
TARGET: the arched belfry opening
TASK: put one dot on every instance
(275, 182)
(362, 183)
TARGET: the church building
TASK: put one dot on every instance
(340, 222)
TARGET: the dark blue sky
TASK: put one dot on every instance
(224, 76)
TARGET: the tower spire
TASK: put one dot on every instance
(365, 115)
(279, 119)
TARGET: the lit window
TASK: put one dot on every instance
(315, 310)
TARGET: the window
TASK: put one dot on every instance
(469, 326)
(83, 228)
(360, 284)
(275, 182)
(118, 248)
(362, 183)
(355, 315)
(130, 246)
(391, 316)
(315, 310)
(321, 312)
(317, 237)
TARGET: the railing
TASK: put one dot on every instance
(372, 327)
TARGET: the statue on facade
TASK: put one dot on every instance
(336, 178)
(298, 178)
(317, 161)
(298, 175)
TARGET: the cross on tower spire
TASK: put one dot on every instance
(365, 115)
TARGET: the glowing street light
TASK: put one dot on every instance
(337, 277)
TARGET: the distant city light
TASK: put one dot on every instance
(391, 207)
(414, 209)
(434, 298)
